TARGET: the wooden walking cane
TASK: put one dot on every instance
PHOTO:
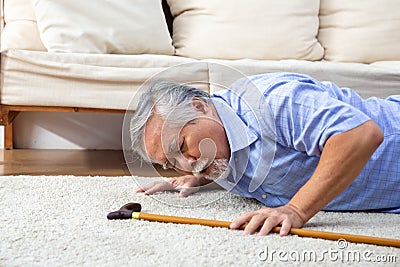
(132, 211)
(294, 231)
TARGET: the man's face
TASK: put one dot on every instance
(200, 147)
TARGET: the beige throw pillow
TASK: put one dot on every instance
(20, 31)
(362, 31)
(257, 29)
(102, 26)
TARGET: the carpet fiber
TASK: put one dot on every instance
(61, 221)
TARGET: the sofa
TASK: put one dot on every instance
(95, 55)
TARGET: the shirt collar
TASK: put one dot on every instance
(238, 134)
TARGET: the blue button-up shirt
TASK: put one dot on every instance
(277, 125)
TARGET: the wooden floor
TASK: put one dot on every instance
(72, 162)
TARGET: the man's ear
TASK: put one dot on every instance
(200, 106)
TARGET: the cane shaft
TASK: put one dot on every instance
(348, 237)
(181, 220)
(294, 231)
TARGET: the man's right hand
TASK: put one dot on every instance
(185, 185)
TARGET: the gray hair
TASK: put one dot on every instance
(171, 101)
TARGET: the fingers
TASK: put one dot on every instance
(155, 187)
(264, 220)
(176, 182)
(257, 221)
(285, 229)
(184, 192)
(184, 184)
(245, 218)
(262, 223)
(268, 224)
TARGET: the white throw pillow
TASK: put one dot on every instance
(257, 29)
(362, 31)
(103, 26)
(21, 30)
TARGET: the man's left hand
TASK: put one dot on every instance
(265, 219)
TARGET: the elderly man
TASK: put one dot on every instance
(296, 144)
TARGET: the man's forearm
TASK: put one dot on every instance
(342, 160)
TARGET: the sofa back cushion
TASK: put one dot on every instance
(360, 30)
(257, 29)
(20, 31)
(101, 26)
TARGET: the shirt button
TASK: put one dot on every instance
(264, 196)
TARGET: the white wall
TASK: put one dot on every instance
(39, 130)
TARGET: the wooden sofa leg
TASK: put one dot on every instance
(7, 117)
(8, 136)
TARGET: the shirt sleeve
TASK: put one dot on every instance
(307, 114)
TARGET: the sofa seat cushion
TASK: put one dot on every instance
(86, 80)
(393, 65)
(256, 29)
(381, 79)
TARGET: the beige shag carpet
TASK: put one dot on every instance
(61, 221)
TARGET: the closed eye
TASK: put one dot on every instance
(183, 148)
